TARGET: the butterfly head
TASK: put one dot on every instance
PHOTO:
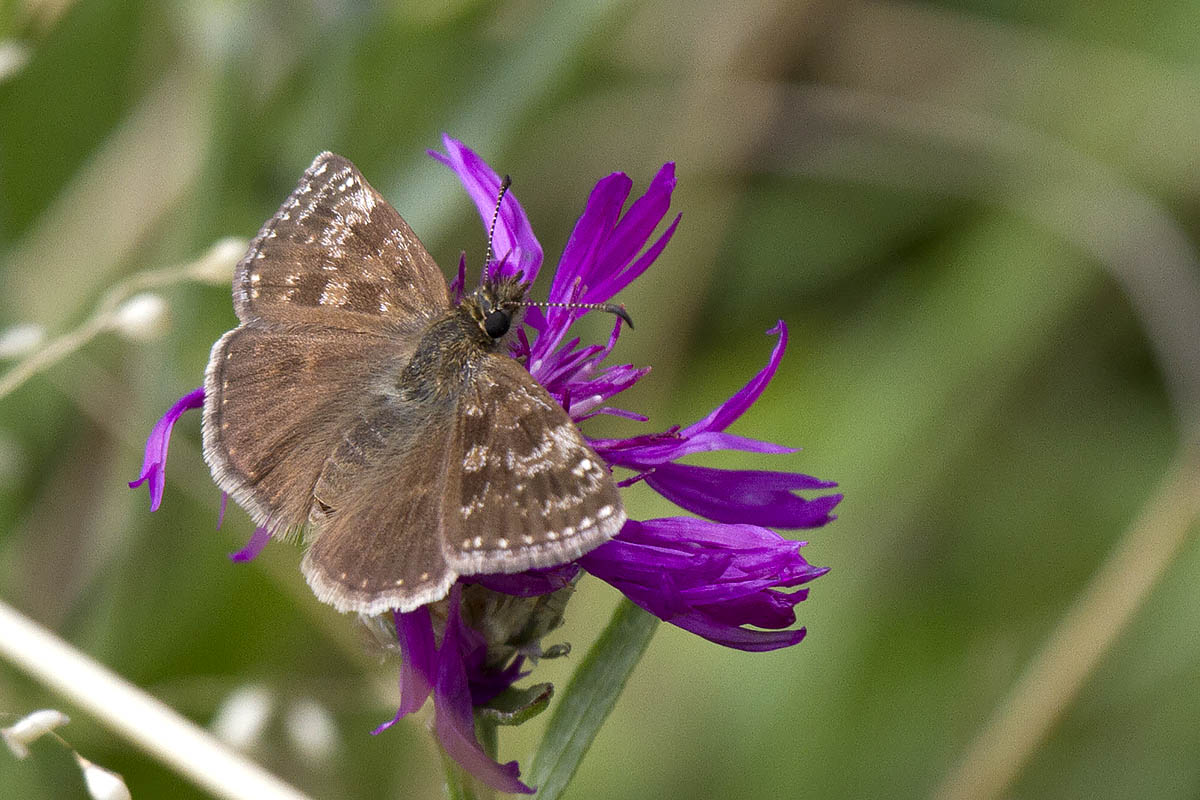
(495, 305)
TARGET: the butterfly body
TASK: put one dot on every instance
(356, 402)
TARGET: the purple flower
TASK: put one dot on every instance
(723, 574)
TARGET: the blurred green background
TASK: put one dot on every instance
(978, 219)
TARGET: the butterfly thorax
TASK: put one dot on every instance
(451, 346)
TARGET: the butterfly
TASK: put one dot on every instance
(356, 403)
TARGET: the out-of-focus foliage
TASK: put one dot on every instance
(978, 219)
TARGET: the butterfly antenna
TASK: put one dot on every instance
(504, 184)
(611, 308)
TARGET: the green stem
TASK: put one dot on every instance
(590, 697)
(459, 785)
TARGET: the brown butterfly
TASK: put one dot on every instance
(355, 401)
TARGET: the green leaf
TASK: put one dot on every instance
(515, 706)
(589, 698)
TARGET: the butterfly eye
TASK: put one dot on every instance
(496, 323)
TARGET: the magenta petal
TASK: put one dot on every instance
(591, 231)
(744, 496)
(723, 415)
(414, 632)
(514, 235)
(459, 284)
(709, 578)
(606, 289)
(155, 458)
(258, 540)
(738, 638)
(633, 231)
(653, 452)
(454, 720)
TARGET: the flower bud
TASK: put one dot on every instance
(141, 317)
(20, 340)
(216, 266)
(102, 784)
(31, 727)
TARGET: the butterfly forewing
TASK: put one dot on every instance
(335, 287)
(532, 492)
(337, 254)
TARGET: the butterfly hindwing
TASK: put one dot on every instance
(379, 505)
(334, 288)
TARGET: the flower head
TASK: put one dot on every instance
(722, 574)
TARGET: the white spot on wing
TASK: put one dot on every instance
(476, 458)
(336, 293)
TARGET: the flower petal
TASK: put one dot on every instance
(629, 236)
(723, 415)
(611, 286)
(709, 578)
(414, 632)
(738, 638)
(647, 452)
(155, 458)
(258, 540)
(454, 721)
(578, 263)
(518, 249)
(744, 496)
